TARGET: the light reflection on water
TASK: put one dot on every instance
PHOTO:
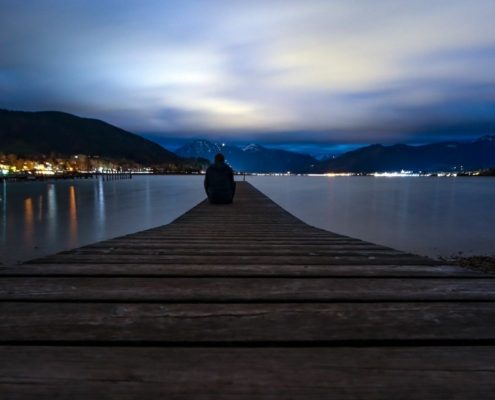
(51, 212)
(28, 221)
(72, 217)
(3, 221)
(99, 195)
(40, 218)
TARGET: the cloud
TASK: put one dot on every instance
(277, 71)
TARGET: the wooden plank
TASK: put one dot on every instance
(212, 245)
(239, 236)
(198, 231)
(240, 270)
(241, 259)
(226, 225)
(232, 241)
(229, 226)
(207, 242)
(35, 372)
(245, 289)
(237, 251)
(254, 323)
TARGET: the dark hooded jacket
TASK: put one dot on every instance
(219, 183)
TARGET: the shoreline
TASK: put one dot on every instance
(478, 263)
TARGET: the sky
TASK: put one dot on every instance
(313, 76)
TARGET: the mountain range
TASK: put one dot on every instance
(251, 158)
(43, 133)
(444, 156)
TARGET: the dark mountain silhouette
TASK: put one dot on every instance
(445, 156)
(36, 133)
(251, 158)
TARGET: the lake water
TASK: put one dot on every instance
(40, 218)
(429, 216)
(432, 216)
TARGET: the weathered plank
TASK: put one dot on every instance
(255, 242)
(238, 252)
(244, 322)
(245, 289)
(241, 270)
(280, 248)
(375, 373)
(347, 259)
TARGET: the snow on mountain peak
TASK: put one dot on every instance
(253, 147)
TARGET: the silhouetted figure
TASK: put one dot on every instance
(219, 182)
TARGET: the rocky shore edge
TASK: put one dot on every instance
(478, 263)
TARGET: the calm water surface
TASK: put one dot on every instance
(40, 218)
(430, 216)
(424, 215)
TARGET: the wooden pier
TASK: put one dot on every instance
(244, 301)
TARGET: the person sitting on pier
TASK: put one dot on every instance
(219, 182)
